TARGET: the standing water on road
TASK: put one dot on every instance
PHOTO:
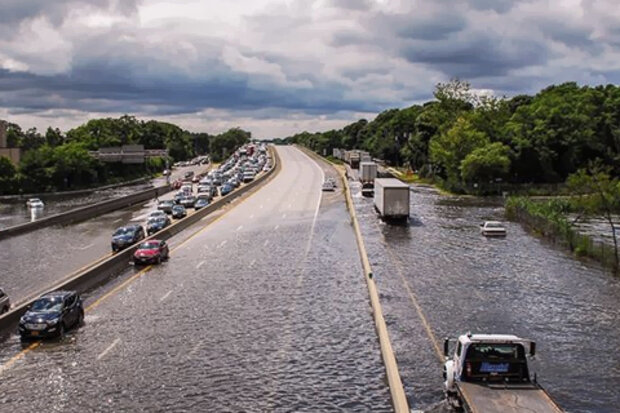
(519, 285)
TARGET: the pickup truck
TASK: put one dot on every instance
(488, 373)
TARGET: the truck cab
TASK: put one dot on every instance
(488, 372)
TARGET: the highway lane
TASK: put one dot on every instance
(34, 261)
(439, 277)
(263, 310)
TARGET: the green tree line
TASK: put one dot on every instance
(57, 161)
(469, 143)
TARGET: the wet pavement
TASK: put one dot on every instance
(463, 282)
(14, 213)
(266, 309)
(31, 263)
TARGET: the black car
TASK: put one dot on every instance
(201, 203)
(156, 224)
(126, 236)
(166, 206)
(51, 315)
(179, 211)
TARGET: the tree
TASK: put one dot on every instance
(486, 164)
(450, 148)
(599, 193)
(7, 169)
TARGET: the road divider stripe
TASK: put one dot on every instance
(108, 349)
(416, 304)
(165, 296)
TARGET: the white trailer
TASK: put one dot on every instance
(368, 172)
(367, 175)
(391, 199)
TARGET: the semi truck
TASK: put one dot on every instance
(391, 199)
(488, 373)
(367, 175)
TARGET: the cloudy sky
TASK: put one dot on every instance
(276, 67)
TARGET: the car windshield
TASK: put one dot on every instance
(47, 305)
(495, 352)
(178, 208)
(148, 245)
(123, 231)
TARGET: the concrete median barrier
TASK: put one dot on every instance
(105, 270)
(85, 212)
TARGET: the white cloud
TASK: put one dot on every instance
(215, 64)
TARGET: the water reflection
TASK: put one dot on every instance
(36, 213)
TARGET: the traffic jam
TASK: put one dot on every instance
(54, 313)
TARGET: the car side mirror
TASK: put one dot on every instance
(446, 347)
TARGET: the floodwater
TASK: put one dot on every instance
(519, 285)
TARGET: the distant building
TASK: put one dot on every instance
(14, 154)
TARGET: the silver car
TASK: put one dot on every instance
(5, 303)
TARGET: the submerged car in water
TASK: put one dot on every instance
(51, 315)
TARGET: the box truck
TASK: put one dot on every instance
(391, 199)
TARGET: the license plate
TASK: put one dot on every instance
(34, 333)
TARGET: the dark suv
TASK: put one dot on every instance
(51, 315)
(126, 236)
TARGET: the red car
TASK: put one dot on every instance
(151, 252)
(177, 184)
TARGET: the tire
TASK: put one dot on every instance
(80, 320)
(61, 331)
(158, 260)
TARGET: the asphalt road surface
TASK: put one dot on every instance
(265, 309)
(32, 262)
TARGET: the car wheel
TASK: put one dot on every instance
(80, 321)
(61, 331)
(158, 260)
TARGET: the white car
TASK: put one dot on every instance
(35, 203)
(493, 229)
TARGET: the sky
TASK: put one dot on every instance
(278, 67)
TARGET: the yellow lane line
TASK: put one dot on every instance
(18, 356)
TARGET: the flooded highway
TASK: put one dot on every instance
(32, 262)
(16, 212)
(519, 285)
(266, 309)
